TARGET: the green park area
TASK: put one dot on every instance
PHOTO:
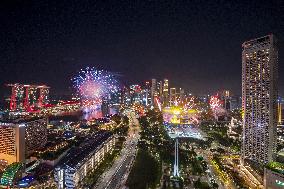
(147, 169)
(276, 166)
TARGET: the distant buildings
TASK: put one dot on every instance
(116, 98)
(181, 94)
(154, 93)
(172, 96)
(226, 97)
(159, 91)
(105, 107)
(126, 99)
(153, 90)
(235, 102)
(21, 137)
(27, 97)
(81, 160)
(147, 93)
(259, 99)
(166, 93)
(136, 95)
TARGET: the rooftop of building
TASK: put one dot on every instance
(77, 154)
(257, 40)
(20, 120)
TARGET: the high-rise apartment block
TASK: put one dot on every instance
(259, 98)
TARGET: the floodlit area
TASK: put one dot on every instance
(181, 122)
(178, 115)
(183, 131)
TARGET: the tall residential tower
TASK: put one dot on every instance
(259, 99)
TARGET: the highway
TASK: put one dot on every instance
(121, 174)
(117, 175)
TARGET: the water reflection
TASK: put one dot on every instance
(80, 116)
(95, 114)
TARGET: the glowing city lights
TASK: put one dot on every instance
(180, 115)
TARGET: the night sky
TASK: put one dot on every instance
(195, 44)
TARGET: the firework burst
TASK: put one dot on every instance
(215, 102)
(92, 84)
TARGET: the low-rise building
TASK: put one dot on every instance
(11, 174)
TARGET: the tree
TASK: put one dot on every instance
(149, 176)
(116, 118)
(125, 120)
(215, 185)
(201, 185)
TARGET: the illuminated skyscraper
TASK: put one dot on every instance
(19, 138)
(146, 93)
(136, 94)
(153, 90)
(159, 91)
(259, 98)
(166, 93)
(126, 100)
(172, 96)
(105, 107)
(226, 98)
(181, 94)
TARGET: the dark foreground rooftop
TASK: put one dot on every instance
(77, 154)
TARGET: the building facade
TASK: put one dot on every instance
(147, 93)
(166, 93)
(172, 96)
(159, 90)
(19, 138)
(153, 90)
(259, 99)
(136, 94)
(35, 134)
(80, 161)
(12, 147)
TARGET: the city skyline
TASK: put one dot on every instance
(142, 94)
(198, 49)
